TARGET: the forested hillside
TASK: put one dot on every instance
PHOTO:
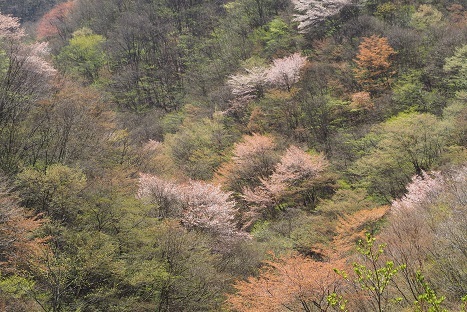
(233, 155)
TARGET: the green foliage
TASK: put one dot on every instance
(275, 38)
(454, 120)
(171, 122)
(16, 286)
(409, 93)
(18, 293)
(53, 191)
(374, 280)
(456, 67)
(374, 275)
(428, 301)
(337, 301)
(84, 56)
(426, 16)
(395, 14)
(322, 116)
(256, 12)
(89, 264)
(307, 232)
(346, 201)
(174, 270)
(150, 95)
(197, 147)
(397, 149)
(3, 62)
(274, 235)
(386, 11)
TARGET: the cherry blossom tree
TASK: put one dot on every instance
(421, 189)
(429, 223)
(361, 100)
(253, 158)
(198, 205)
(296, 166)
(24, 78)
(161, 193)
(208, 208)
(297, 172)
(284, 72)
(250, 84)
(311, 12)
(23, 58)
(10, 28)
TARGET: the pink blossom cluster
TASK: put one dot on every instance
(10, 28)
(282, 73)
(419, 190)
(30, 58)
(295, 168)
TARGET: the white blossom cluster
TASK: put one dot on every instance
(198, 205)
(311, 12)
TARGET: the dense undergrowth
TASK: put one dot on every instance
(246, 155)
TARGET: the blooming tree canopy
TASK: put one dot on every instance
(284, 72)
(250, 84)
(311, 12)
(198, 205)
(296, 171)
